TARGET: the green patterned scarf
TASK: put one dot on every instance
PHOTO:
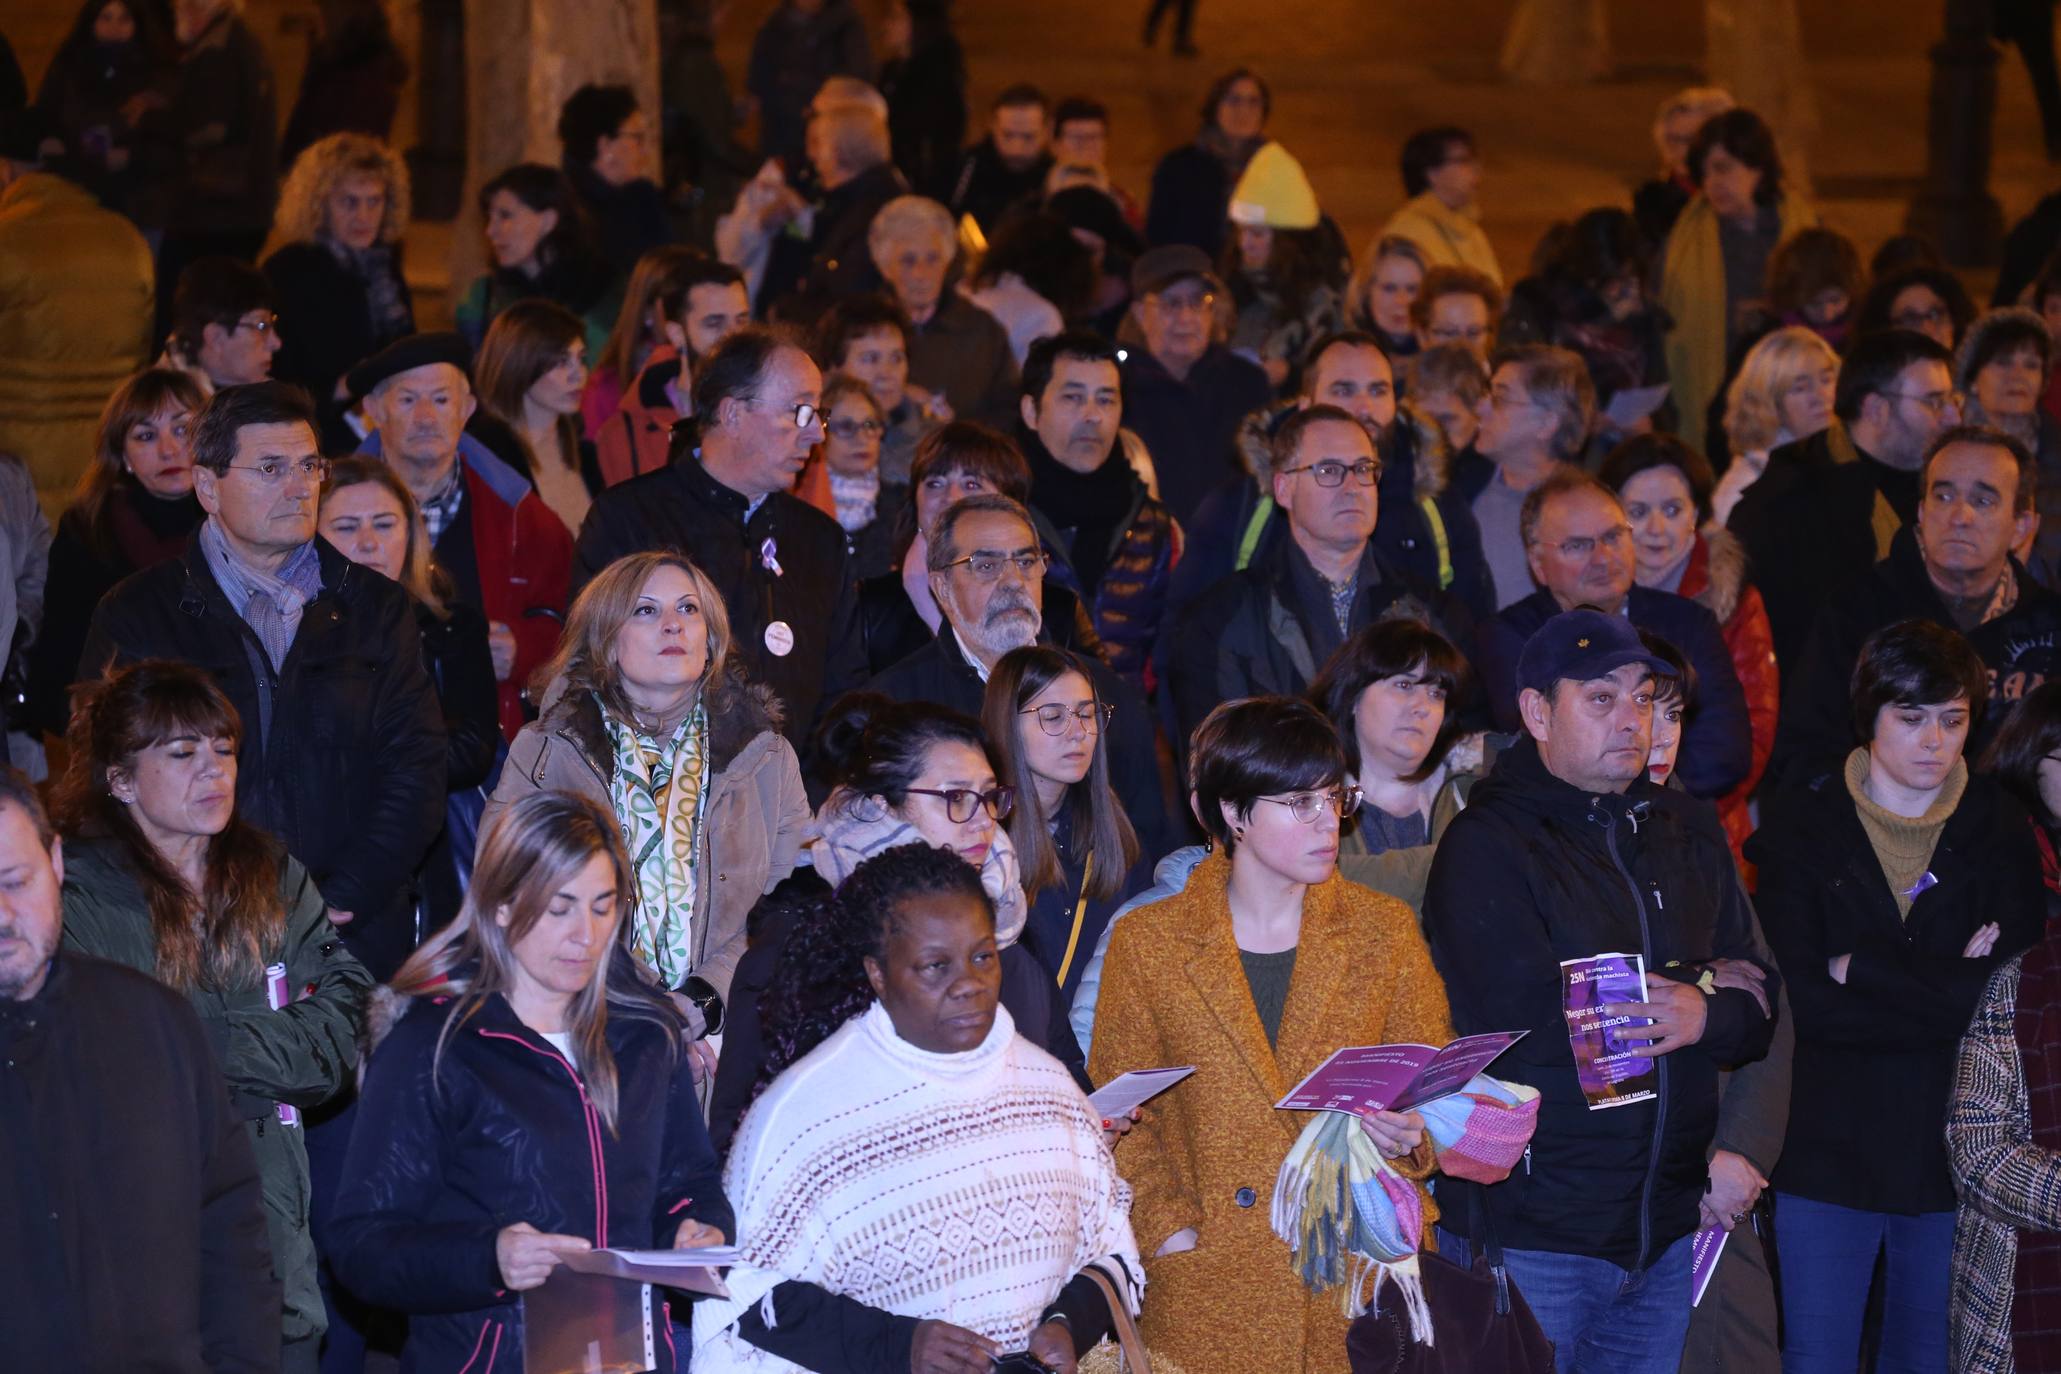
(657, 789)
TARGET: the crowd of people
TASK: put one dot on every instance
(731, 740)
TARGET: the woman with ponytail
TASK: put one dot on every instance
(528, 1095)
(161, 874)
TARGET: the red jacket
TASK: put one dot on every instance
(525, 577)
(1716, 579)
(638, 437)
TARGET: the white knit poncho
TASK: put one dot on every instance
(966, 1188)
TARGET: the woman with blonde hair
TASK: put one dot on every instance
(646, 712)
(527, 1020)
(528, 377)
(1783, 393)
(134, 506)
(336, 274)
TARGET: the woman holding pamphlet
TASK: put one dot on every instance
(161, 874)
(1266, 963)
(529, 1098)
(1889, 896)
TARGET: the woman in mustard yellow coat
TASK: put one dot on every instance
(1266, 963)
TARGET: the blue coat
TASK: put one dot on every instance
(443, 1156)
(1717, 744)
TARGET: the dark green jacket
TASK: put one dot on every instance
(300, 1055)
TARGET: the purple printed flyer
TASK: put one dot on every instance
(1365, 1079)
(1704, 1253)
(1611, 1076)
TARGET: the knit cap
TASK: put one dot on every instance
(1274, 192)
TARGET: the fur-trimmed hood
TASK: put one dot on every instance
(1725, 573)
(1430, 456)
(739, 711)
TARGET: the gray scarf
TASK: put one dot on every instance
(269, 603)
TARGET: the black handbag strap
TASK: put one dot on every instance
(1491, 1245)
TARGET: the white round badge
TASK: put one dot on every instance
(780, 639)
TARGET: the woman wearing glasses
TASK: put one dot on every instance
(1259, 969)
(646, 711)
(864, 503)
(1079, 856)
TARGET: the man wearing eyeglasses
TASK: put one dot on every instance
(726, 501)
(342, 753)
(1580, 548)
(1534, 421)
(1185, 393)
(1269, 628)
(987, 572)
(1566, 852)
(1828, 507)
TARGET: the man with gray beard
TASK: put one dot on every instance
(987, 572)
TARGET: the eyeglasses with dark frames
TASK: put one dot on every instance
(960, 802)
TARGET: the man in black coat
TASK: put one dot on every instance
(132, 1225)
(848, 149)
(1826, 507)
(1269, 628)
(1953, 568)
(1580, 546)
(343, 749)
(781, 564)
(986, 573)
(1007, 166)
(1565, 852)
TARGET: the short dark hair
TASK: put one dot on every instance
(17, 790)
(734, 368)
(1254, 747)
(943, 551)
(1450, 279)
(1079, 107)
(1746, 136)
(1391, 647)
(589, 115)
(542, 188)
(1340, 338)
(1082, 345)
(1221, 87)
(678, 285)
(1564, 480)
(2028, 470)
(216, 290)
(1427, 150)
(1875, 362)
(1295, 424)
(1601, 245)
(1915, 663)
(1680, 682)
(1880, 301)
(232, 408)
(1999, 334)
(853, 316)
(1810, 261)
(1644, 452)
(2030, 734)
(1022, 93)
(974, 449)
(875, 745)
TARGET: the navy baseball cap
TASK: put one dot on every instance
(1582, 644)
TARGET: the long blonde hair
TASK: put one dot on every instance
(423, 579)
(304, 195)
(528, 853)
(586, 650)
(1753, 407)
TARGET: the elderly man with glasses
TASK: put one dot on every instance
(342, 753)
(1268, 628)
(1580, 546)
(783, 567)
(987, 574)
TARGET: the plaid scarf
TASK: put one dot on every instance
(657, 788)
(441, 509)
(2036, 1273)
(269, 603)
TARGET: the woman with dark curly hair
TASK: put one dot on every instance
(541, 244)
(1926, 298)
(907, 1117)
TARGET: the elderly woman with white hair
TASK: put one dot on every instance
(955, 347)
(337, 272)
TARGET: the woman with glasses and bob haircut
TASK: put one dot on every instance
(528, 1019)
(1255, 973)
(1079, 855)
(646, 712)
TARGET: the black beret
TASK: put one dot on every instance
(405, 354)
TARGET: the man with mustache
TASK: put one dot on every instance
(1113, 544)
(117, 1142)
(987, 570)
(1954, 567)
(506, 554)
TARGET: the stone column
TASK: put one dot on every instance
(522, 59)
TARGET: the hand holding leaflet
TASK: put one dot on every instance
(1365, 1080)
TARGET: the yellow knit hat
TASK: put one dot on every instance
(1274, 192)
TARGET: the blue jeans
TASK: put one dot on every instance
(1828, 1259)
(1602, 1319)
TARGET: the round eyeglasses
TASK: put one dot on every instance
(1055, 718)
(961, 802)
(1307, 807)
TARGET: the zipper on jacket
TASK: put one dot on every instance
(1660, 1063)
(593, 1123)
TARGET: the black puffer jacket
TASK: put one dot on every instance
(343, 755)
(1534, 872)
(445, 1154)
